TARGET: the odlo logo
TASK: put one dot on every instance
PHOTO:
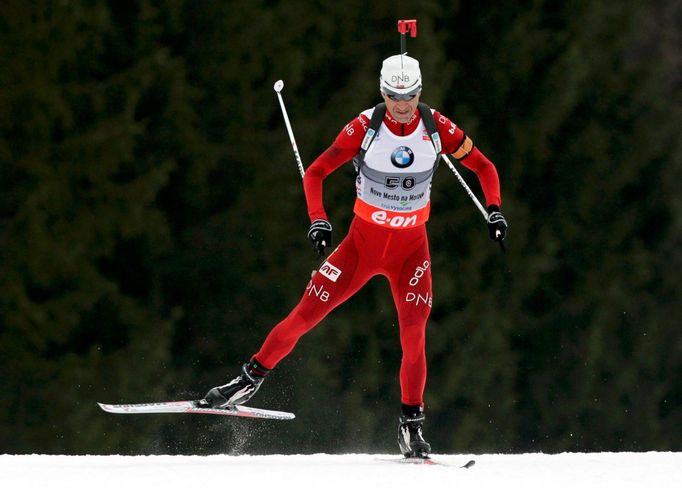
(419, 272)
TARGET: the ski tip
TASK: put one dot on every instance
(469, 464)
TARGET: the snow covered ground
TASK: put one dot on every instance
(622, 470)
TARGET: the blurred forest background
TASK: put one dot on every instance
(153, 226)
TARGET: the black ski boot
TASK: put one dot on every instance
(410, 437)
(239, 390)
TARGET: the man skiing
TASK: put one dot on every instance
(395, 163)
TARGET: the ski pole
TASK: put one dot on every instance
(279, 85)
(466, 187)
(473, 197)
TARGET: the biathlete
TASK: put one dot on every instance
(395, 147)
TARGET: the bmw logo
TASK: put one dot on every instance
(402, 157)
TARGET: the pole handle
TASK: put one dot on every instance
(472, 196)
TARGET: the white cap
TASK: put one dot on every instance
(400, 74)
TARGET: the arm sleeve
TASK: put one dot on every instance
(344, 148)
(452, 138)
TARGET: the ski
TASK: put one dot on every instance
(426, 461)
(195, 406)
(419, 460)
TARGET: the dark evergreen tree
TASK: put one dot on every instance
(153, 225)
(96, 117)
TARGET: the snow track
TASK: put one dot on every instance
(622, 470)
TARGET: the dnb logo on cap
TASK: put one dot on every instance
(402, 157)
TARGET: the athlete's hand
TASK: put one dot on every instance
(497, 225)
(320, 234)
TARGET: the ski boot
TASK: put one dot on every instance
(410, 437)
(239, 390)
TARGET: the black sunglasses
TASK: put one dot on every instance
(397, 97)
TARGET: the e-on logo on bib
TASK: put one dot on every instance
(402, 157)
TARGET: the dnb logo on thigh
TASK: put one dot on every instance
(418, 298)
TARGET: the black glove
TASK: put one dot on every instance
(497, 225)
(320, 234)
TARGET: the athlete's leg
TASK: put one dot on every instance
(337, 279)
(411, 289)
(341, 275)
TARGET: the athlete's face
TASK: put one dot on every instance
(401, 110)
